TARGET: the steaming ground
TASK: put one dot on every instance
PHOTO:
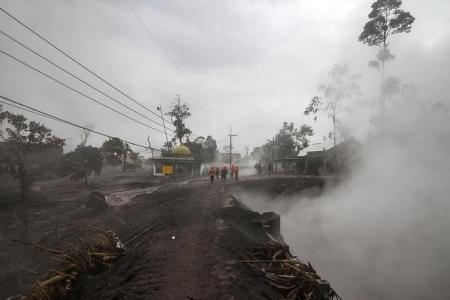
(383, 234)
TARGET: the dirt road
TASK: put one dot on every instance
(188, 239)
(191, 252)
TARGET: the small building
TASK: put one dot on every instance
(322, 159)
(179, 162)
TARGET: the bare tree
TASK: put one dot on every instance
(343, 85)
(85, 133)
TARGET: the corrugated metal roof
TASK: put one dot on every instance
(317, 147)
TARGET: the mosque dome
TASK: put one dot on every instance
(182, 151)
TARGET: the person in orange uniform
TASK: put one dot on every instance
(232, 169)
(212, 173)
(236, 172)
(224, 172)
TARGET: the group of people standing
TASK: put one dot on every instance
(214, 172)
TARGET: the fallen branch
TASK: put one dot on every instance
(29, 270)
(88, 259)
(293, 278)
(147, 229)
(38, 246)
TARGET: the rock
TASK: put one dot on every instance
(96, 202)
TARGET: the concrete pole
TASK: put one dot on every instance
(231, 135)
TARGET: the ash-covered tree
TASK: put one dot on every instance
(82, 162)
(167, 148)
(301, 136)
(209, 149)
(116, 151)
(22, 138)
(385, 20)
(203, 149)
(287, 142)
(179, 113)
(342, 86)
(284, 141)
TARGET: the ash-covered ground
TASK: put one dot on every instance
(200, 233)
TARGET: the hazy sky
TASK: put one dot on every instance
(246, 64)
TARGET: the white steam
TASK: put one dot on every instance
(384, 233)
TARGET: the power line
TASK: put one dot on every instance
(166, 53)
(53, 117)
(78, 92)
(79, 63)
(28, 110)
(76, 77)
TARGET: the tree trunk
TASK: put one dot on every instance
(382, 91)
(124, 161)
(334, 141)
(23, 179)
(382, 87)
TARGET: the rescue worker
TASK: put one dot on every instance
(236, 172)
(212, 173)
(232, 169)
(224, 172)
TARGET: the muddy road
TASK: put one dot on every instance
(191, 238)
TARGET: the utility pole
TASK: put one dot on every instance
(150, 146)
(246, 151)
(164, 125)
(231, 135)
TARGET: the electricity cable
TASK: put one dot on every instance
(80, 64)
(166, 53)
(76, 77)
(78, 92)
(53, 117)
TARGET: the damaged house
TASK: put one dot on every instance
(322, 159)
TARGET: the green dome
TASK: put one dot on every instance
(181, 150)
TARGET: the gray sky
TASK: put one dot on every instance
(246, 64)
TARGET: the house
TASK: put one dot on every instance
(179, 162)
(322, 159)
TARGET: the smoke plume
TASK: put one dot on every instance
(383, 233)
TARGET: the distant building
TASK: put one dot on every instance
(322, 159)
(179, 162)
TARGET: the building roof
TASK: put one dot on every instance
(186, 159)
(317, 147)
(181, 151)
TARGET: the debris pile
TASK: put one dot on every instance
(294, 279)
(91, 258)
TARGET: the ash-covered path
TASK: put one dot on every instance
(193, 252)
